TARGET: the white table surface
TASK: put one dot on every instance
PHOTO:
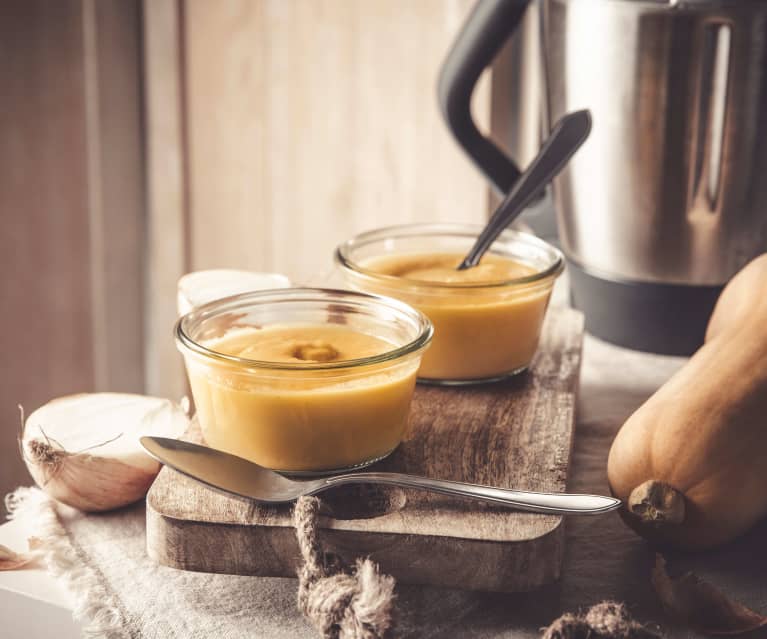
(32, 603)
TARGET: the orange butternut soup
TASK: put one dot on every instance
(293, 420)
(481, 331)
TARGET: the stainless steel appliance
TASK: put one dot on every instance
(668, 197)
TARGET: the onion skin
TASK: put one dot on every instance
(84, 451)
(88, 482)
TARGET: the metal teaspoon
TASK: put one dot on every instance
(238, 476)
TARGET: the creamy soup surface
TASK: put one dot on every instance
(295, 420)
(441, 268)
(301, 343)
(479, 332)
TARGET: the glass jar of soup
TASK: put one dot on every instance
(304, 381)
(487, 319)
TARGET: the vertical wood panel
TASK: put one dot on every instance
(46, 326)
(311, 121)
(116, 190)
(52, 190)
(166, 202)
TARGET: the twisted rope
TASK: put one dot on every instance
(607, 620)
(340, 603)
(358, 603)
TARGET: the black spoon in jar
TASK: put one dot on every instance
(566, 138)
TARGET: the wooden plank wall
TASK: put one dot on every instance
(71, 206)
(302, 123)
(167, 201)
(310, 121)
(143, 140)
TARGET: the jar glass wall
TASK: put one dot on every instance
(319, 409)
(483, 331)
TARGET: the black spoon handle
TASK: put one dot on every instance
(566, 138)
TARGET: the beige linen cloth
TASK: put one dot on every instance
(121, 593)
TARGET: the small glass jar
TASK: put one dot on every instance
(483, 331)
(303, 417)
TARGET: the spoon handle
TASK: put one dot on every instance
(569, 133)
(549, 503)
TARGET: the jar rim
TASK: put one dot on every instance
(284, 295)
(343, 253)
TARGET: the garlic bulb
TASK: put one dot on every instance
(200, 287)
(84, 450)
(12, 560)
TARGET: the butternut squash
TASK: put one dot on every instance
(691, 462)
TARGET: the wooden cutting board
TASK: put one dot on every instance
(516, 434)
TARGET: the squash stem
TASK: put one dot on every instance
(656, 502)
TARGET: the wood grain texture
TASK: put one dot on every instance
(312, 121)
(278, 128)
(166, 183)
(116, 201)
(71, 207)
(46, 326)
(515, 434)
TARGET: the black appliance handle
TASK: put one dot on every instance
(487, 28)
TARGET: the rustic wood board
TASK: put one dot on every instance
(516, 434)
